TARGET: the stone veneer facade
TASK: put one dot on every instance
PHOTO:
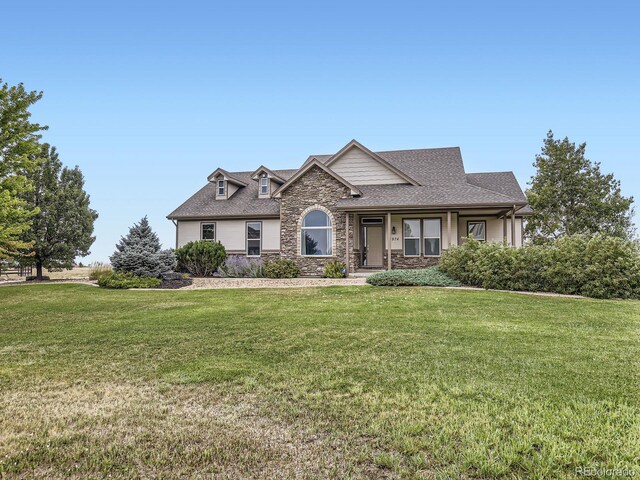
(316, 189)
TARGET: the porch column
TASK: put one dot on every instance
(448, 229)
(347, 253)
(513, 226)
(389, 241)
(504, 228)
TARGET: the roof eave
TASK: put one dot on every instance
(430, 207)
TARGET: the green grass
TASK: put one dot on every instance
(337, 382)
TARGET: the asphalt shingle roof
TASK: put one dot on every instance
(244, 202)
(440, 172)
(456, 194)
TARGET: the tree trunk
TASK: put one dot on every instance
(39, 270)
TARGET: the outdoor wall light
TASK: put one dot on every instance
(393, 230)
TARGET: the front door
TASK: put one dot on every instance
(373, 239)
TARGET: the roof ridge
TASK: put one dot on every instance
(416, 149)
(249, 172)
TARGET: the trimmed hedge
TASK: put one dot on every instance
(127, 280)
(422, 277)
(201, 258)
(281, 268)
(598, 266)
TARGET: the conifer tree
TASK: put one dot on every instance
(570, 195)
(63, 227)
(140, 252)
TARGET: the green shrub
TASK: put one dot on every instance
(98, 270)
(127, 280)
(598, 266)
(281, 268)
(201, 258)
(431, 276)
(335, 269)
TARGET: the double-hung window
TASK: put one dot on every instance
(208, 231)
(431, 234)
(477, 230)
(254, 239)
(221, 188)
(422, 237)
(264, 186)
(411, 235)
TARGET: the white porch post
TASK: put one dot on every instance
(448, 229)
(389, 241)
(504, 228)
(513, 226)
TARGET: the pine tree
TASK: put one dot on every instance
(18, 147)
(63, 228)
(570, 195)
(140, 252)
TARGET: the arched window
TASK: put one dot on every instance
(317, 235)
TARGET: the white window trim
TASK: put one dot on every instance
(439, 237)
(326, 227)
(469, 222)
(419, 237)
(267, 185)
(215, 231)
(246, 235)
(223, 187)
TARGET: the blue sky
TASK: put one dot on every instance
(148, 98)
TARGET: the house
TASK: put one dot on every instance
(391, 209)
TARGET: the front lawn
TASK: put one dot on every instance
(314, 383)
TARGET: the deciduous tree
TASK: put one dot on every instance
(18, 156)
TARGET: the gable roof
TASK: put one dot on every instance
(255, 175)
(442, 182)
(427, 166)
(355, 144)
(308, 166)
(244, 203)
(230, 178)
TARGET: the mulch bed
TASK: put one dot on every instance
(175, 284)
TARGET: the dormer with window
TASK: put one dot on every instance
(268, 181)
(226, 184)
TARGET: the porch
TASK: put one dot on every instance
(416, 238)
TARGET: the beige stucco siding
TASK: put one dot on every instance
(494, 228)
(358, 168)
(232, 233)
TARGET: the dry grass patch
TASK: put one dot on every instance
(153, 430)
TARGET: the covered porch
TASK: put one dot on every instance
(416, 238)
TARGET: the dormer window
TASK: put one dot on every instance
(221, 188)
(264, 185)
